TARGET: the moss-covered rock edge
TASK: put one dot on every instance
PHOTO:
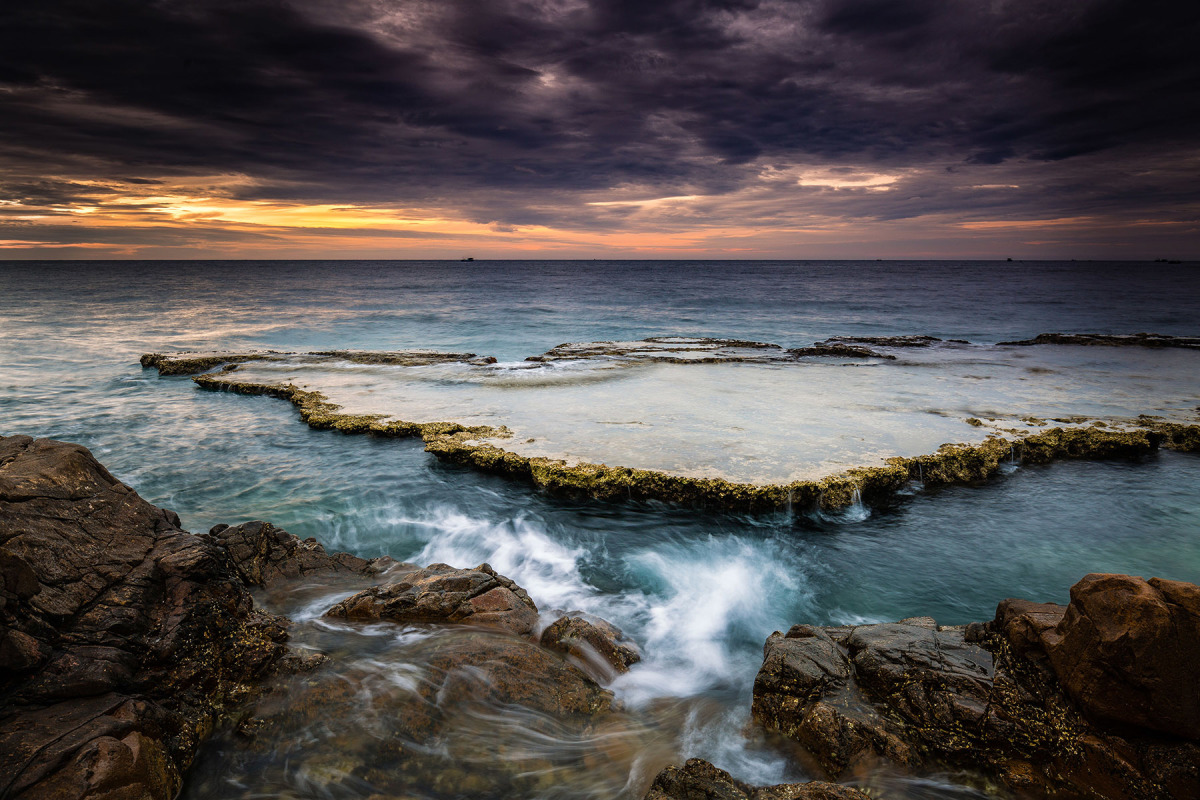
(952, 464)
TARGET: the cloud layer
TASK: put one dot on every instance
(526, 120)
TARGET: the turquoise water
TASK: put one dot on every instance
(699, 592)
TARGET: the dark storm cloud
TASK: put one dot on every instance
(468, 104)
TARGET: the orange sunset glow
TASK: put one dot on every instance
(419, 131)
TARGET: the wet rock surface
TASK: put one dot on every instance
(889, 341)
(1128, 651)
(126, 642)
(1112, 340)
(441, 593)
(265, 556)
(699, 780)
(599, 646)
(1064, 701)
(196, 363)
(839, 350)
(442, 712)
(123, 639)
(671, 350)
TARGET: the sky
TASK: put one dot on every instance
(807, 129)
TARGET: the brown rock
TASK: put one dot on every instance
(122, 637)
(1128, 650)
(447, 732)
(441, 593)
(987, 697)
(498, 671)
(599, 646)
(699, 780)
(264, 555)
(1023, 623)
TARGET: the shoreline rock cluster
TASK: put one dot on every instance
(1098, 698)
(125, 641)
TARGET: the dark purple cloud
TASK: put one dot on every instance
(507, 109)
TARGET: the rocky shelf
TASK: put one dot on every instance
(493, 449)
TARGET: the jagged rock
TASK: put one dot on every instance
(699, 780)
(597, 644)
(1127, 650)
(441, 593)
(123, 639)
(989, 697)
(1023, 623)
(264, 555)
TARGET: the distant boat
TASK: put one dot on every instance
(468, 258)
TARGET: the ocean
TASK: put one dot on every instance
(699, 591)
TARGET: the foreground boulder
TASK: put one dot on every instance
(700, 780)
(1128, 651)
(1074, 702)
(123, 639)
(441, 593)
(597, 645)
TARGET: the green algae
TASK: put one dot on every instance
(1175, 435)
(317, 412)
(952, 464)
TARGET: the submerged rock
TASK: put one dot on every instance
(700, 780)
(458, 712)
(123, 639)
(597, 644)
(999, 697)
(441, 593)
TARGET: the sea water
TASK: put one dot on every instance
(699, 592)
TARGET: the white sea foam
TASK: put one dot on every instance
(518, 548)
